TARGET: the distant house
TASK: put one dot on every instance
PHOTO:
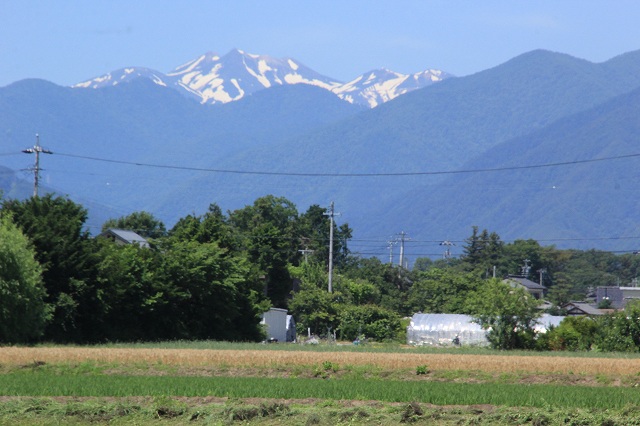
(535, 289)
(618, 297)
(123, 237)
(581, 308)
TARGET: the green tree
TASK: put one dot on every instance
(316, 309)
(213, 298)
(482, 252)
(142, 223)
(270, 238)
(573, 334)
(135, 293)
(369, 320)
(393, 282)
(509, 314)
(314, 229)
(441, 291)
(211, 227)
(23, 312)
(358, 291)
(620, 332)
(55, 227)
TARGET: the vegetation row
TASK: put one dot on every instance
(210, 277)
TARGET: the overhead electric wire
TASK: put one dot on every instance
(441, 172)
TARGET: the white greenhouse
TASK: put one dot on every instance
(456, 329)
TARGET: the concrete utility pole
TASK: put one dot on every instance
(542, 271)
(390, 247)
(331, 214)
(305, 252)
(402, 240)
(526, 268)
(447, 251)
(37, 149)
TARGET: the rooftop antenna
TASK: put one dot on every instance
(36, 149)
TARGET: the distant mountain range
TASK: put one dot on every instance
(542, 147)
(214, 79)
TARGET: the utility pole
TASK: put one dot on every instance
(447, 251)
(331, 214)
(305, 252)
(390, 245)
(526, 268)
(402, 240)
(542, 271)
(37, 149)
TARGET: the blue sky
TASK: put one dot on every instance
(68, 41)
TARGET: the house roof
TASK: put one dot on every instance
(528, 284)
(128, 237)
(581, 308)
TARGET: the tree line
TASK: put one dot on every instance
(211, 276)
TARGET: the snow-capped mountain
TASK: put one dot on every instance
(214, 79)
(124, 75)
(237, 74)
(379, 86)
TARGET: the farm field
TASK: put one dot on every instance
(140, 384)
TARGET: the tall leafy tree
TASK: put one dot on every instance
(509, 314)
(136, 294)
(215, 299)
(370, 321)
(392, 282)
(270, 238)
(442, 291)
(63, 248)
(211, 227)
(483, 252)
(314, 230)
(23, 311)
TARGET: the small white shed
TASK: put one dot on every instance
(279, 325)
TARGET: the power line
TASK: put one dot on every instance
(441, 172)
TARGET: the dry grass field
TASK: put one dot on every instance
(12, 356)
(141, 385)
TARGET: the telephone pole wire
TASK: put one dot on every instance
(36, 149)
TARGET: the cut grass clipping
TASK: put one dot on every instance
(439, 393)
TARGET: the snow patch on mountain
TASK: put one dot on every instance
(379, 86)
(213, 79)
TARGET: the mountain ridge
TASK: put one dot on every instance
(210, 153)
(212, 79)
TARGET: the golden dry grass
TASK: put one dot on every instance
(239, 358)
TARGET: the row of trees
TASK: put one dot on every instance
(211, 276)
(208, 277)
